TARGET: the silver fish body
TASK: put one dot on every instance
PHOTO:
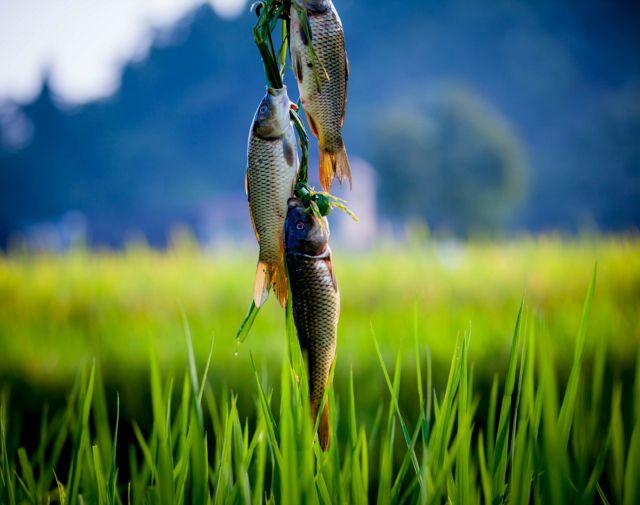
(323, 91)
(315, 301)
(272, 164)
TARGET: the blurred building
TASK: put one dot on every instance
(362, 201)
(57, 235)
(223, 219)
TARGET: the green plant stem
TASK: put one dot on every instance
(303, 141)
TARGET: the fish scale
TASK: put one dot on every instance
(270, 182)
(323, 91)
(316, 308)
(272, 164)
(327, 107)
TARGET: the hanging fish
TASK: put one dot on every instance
(321, 68)
(272, 165)
(315, 301)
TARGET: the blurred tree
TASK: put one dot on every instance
(453, 161)
(173, 137)
(608, 178)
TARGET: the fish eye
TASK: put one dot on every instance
(300, 225)
(264, 109)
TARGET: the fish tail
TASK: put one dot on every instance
(280, 285)
(334, 164)
(268, 275)
(261, 284)
(324, 430)
(343, 168)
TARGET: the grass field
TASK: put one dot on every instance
(547, 412)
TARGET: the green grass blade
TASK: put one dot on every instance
(501, 450)
(631, 491)
(405, 431)
(193, 370)
(27, 475)
(205, 374)
(268, 416)
(247, 323)
(99, 475)
(6, 472)
(569, 403)
(113, 469)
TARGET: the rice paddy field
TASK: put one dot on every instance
(488, 372)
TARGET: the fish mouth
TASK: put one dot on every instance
(276, 124)
(277, 92)
(294, 201)
(280, 96)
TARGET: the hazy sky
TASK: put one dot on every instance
(80, 42)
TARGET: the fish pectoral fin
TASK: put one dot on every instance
(312, 123)
(297, 66)
(255, 228)
(344, 100)
(334, 282)
(253, 221)
(261, 284)
(347, 70)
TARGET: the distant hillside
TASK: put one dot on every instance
(564, 76)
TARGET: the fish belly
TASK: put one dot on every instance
(270, 180)
(316, 308)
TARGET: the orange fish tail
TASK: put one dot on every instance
(324, 430)
(267, 276)
(343, 168)
(334, 164)
(280, 285)
(261, 284)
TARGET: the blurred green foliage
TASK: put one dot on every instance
(543, 433)
(56, 311)
(451, 161)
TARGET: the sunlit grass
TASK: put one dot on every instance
(542, 440)
(57, 310)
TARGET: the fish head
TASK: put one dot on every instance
(304, 232)
(272, 117)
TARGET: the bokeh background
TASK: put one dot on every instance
(126, 119)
